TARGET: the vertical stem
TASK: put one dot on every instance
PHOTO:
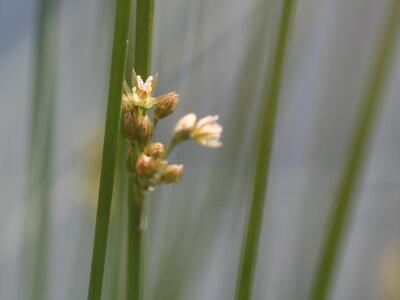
(344, 198)
(135, 230)
(143, 37)
(118, 218)
(121, 30)
(41, 144)
(264, 146)
(142, 63)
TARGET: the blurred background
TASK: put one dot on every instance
(215, 54)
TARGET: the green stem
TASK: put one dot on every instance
(143, 37)
(264, 146)
(170, 148)
(344, 198)
(41, 144)
(118, 217)
(122, 18)
(135, 240)
(143, 43)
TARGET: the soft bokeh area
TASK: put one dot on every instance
(216, 55)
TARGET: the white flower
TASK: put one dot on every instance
(141, 92)
(185, 125)
(207, 132)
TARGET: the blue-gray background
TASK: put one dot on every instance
(215, 55)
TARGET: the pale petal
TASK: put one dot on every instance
(186, 122)
(207, 120)
(134, 78)
(126, 88)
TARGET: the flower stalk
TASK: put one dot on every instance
(147, 161)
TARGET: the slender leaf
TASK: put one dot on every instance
(344, 198)
(119, 53)
(41, 144)
(264, 146)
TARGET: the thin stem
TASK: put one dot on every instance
(344, 198)
(264, 146)
(155, 122)
(170, 148)
(135, 231)
(119, 217)
(143, 37)
(143, 44)
(41, 144)
(122, 17)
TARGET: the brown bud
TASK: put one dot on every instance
(172, 173)
(166, 105)
(155, 150)
(144, 130)
(127, 103)
(128, 126)
(145, 165)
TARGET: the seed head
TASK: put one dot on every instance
(144, 129)
(155, 150)
(145, 165)
(166, 105)
(128, 126)
(171, 173)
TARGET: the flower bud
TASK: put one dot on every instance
(166, 105)
(128, 126)
(155, 150)
(145, 165)
(144, 130)
(184, 127)
(127, 103)
(172, 173)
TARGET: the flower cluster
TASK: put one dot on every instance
(141, 112)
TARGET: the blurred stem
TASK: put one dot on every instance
(41, 144)
(264, 146)
(142, 63)
(344, 198)
(170, 148)
(119, 52)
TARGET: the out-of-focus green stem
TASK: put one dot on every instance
(41, 145)
(121, 29)
(264, 146)
(344, 198)
(142, 64)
